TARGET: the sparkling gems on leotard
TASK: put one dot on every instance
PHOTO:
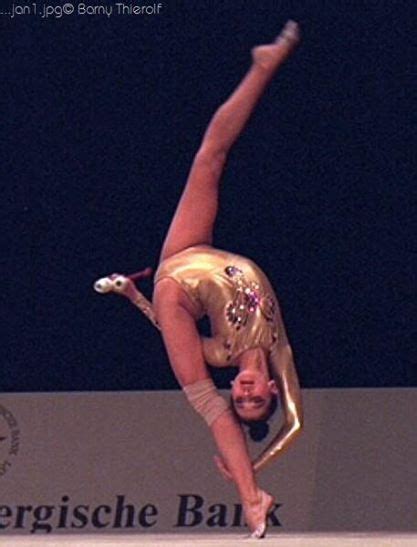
(267, 307)
(245, 301)
(232, 271)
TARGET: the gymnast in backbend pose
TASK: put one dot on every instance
(195, 279)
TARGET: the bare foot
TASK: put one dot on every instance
(256, 514)
(270, 56)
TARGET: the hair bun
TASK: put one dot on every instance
(258, 430)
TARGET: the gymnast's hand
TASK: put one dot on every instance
(222, 467)
(121, 284)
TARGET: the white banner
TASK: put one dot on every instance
(141, 462)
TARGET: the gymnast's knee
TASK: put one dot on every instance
(211, 155)
(205, 399)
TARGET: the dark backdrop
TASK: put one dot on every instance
(102, 117)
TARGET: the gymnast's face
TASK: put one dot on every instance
(252, 392)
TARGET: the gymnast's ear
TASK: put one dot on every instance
(273, 387)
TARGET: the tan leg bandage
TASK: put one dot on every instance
(203, 396)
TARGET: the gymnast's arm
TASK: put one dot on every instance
(126, 287)
(285, 375)
(140, 301)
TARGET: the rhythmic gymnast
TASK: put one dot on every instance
(194, 279)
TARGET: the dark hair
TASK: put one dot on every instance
(259, 429)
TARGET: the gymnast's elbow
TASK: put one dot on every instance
(296, 426)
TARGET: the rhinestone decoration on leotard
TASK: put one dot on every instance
(267, 307)
(246, 298)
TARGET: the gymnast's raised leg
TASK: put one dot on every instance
(196, 212)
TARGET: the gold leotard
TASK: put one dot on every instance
(244, 313)
(235, 295)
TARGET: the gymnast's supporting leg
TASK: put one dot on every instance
(231, 443)
(194, 218)
(185, 353)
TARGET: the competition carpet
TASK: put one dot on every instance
(226, 540)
